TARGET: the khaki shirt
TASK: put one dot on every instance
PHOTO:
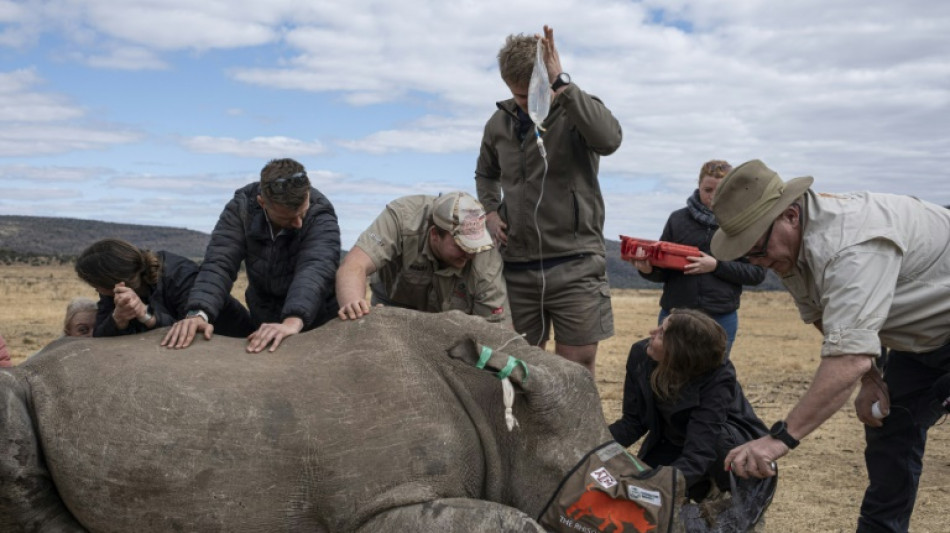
(875, 269)
(409, 275)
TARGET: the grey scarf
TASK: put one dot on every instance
(700, 212)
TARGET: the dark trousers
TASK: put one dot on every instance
(895, 451)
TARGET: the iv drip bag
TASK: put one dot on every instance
(539, 90)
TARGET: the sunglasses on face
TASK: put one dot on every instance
(761, 251)
(280, 185)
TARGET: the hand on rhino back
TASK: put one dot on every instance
(379, 424)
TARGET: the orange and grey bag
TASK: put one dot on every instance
(611, 487)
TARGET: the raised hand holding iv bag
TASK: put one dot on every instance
(539, 89)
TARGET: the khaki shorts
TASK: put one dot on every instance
(576, 300)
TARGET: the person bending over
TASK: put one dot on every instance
(426, 253)
(286, 233)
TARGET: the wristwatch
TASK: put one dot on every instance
(198, 312)
(780, 431)
(146, 317)
(561, 80)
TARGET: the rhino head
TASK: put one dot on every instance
(559, 420)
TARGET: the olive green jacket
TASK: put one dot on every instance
(578, 130)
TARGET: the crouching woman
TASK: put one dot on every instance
(682, 393)
(141, 290)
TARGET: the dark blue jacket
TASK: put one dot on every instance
(291, 273)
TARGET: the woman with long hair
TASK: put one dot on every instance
(681, 392)
(140, 290)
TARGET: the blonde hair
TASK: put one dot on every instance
(694, 344)
(516, 59)
(77, 305)
(715, 168)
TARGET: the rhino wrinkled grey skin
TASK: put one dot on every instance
(376, 425)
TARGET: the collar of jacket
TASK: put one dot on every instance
(511, 108)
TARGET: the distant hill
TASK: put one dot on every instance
(42, 240)
(65, 238)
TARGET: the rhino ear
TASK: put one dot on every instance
(509, 369)
(496, 362)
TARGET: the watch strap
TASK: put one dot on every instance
(780, 431)
(147, 317)
(198, 312)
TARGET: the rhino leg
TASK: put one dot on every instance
(453, 515)
(28, 499)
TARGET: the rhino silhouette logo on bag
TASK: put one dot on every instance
(624, 515)
(610, 491)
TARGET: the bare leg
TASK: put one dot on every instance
(583, 355)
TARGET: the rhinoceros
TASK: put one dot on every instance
(375, 425)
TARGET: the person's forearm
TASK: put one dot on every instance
(489, 193)
(293, 322)
(830, 389)
(350, 284)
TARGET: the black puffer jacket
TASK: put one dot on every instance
(711, 411)
(716, 292)
(291, 273)
(167, 300)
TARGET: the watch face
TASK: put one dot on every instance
(561, 80)
(777, 428)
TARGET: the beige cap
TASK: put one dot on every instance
(746, 202)
(464, 217)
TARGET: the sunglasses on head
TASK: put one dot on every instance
(280, 185)
(716, 169)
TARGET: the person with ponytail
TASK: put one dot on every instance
(681, 392)
(140, 290)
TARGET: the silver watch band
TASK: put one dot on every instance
(148, 316)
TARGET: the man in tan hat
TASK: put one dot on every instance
(426, 253)
(866, 269)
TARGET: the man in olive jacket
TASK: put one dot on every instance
(561, 277)
(287, 234)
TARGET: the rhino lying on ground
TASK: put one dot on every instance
(376, 425)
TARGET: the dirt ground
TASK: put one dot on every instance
(821, 483)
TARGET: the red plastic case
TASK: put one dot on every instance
(659, 253)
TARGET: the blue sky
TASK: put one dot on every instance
(155, 111)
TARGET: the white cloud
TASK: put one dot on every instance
(34, 140)
(19, 104)
(126, 58)
(852, 92)
(37, 123)
(50, 174)
(257, 147)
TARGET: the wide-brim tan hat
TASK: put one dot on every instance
(464, 217)
(746, 203)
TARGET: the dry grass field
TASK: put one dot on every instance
(821, 483)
